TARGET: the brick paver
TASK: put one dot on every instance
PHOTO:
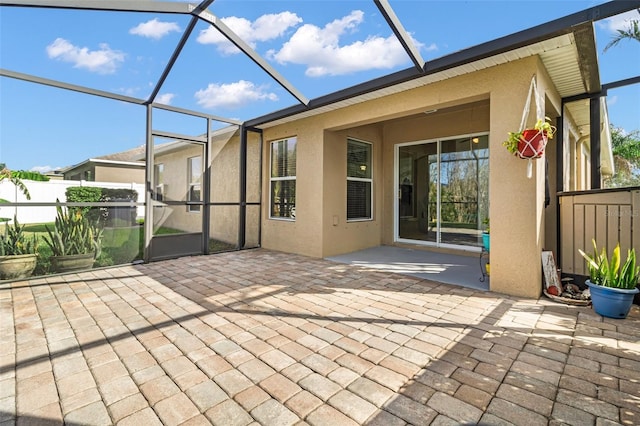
(259, 337)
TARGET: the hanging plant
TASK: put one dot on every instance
(530, 143)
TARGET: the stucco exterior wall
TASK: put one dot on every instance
(120, 174)
(517, 202)
(176, 189)
(339, 235)
(304, 235)
(225, 188)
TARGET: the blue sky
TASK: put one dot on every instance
(318, 45)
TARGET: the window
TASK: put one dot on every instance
(359, 180)
(158, 182)
(283, 179)
(194, 174)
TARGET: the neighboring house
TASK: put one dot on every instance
(124, 167)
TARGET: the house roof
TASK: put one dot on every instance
(129, 158)
(133, 155)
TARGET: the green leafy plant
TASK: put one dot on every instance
(486, 223)
(15, 241)
(514, 137)
(73, 234)
(607, 272)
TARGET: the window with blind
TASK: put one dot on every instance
(194, 174)
(283, 179)
(359, 180)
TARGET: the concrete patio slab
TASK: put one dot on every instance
(262, 337)
(446, 268)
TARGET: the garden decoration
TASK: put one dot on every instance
(530, 143)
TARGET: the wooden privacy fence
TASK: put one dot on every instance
(608, 216)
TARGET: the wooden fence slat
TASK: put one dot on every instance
(624, 221)
(607, 217)
(601, 223)
(613, 226)
(578, 236)
(567, 247)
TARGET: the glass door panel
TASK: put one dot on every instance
(461, 165)
(444, 191)
(416, 201)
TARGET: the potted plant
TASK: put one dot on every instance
(612, 286)
(18, 253)
(74, 241)
(485, 235)
(530, 143)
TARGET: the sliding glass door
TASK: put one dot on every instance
(443, 191)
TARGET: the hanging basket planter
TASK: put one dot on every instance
(532, 143)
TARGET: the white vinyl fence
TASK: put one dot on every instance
(48, 192)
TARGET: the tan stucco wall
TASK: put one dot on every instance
(516, 206)
(225, 188)
(176, 189)
(304, 235)
(340, 236)
(120, 174)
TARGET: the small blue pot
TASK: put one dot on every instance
(611, 302)
(485, 241)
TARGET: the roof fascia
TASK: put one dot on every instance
(532, 35)
(514, 41)
(101, 161)
(587, 57)
(350, 92)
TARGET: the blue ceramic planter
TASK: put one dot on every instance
(611, 302)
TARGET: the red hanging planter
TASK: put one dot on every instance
(532, 143)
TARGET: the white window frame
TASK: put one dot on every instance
(357, 179)
(193, 208)
(283, 178)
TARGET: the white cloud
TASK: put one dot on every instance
(165, 98)
(128, 91)
(612, 100)
(320, 50)
(232, 95)
(103, 61)
(43, 169)
(265, 28)
(154, 29)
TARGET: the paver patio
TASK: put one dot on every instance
(261, 337)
